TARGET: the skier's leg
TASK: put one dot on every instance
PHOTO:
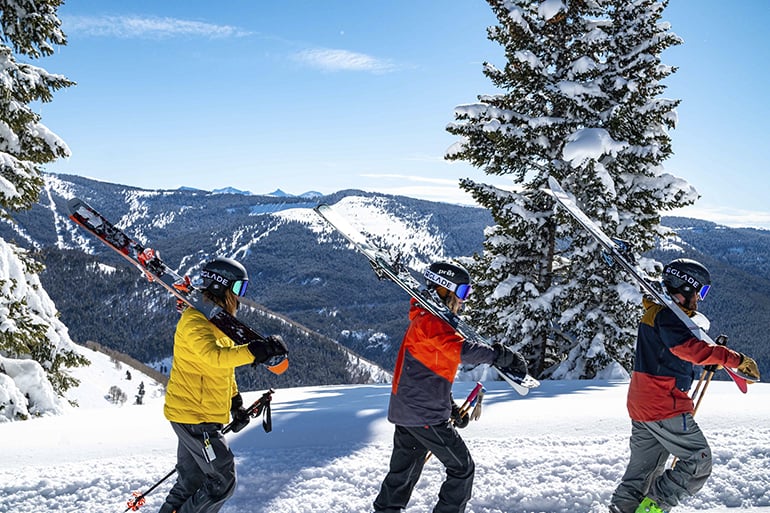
(683, 438)
(189, 476)
(647, 458)
(449, 448)
(406, 464)
(216, 464)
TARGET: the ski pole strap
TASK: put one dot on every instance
(267, 418)
(262, 406)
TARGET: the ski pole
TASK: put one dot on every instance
(259, 407)
(469, 403)
(705, 380)
(709, 372)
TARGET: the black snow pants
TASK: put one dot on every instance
(410, 446)
(205, 469)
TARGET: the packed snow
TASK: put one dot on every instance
(560, 449)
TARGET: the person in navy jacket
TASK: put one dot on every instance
(658, 403)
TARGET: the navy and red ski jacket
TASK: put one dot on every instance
(664, 366)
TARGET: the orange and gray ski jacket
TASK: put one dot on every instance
(202, 381)
(425, 369)
(666, 352)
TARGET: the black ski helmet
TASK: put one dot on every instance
(687, 277)
(450, 276)
(223, 274)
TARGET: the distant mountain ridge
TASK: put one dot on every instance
(278, 193)
(348, 325)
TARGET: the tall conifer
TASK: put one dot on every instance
(29, 328)
(579, 99)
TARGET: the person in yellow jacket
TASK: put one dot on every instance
(202, 394)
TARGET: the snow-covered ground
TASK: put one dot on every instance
(560, 449)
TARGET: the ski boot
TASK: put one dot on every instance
(649, 506)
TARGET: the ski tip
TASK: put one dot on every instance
(553, 184)
(741, 381)
(280, 367)
(736, 372)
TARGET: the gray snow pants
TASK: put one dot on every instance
(410, 446)
(646, 475)
(203, 483)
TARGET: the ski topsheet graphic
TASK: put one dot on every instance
(149, 262)
(617, 251)
(386, 268)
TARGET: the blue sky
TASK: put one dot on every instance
(330, 95)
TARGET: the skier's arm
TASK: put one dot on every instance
(476, 353)
(681, 342)
(700, 352)
(220, 353)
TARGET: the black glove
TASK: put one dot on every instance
(265, 349)
(241, 417)
(458, 419)
(509, 360)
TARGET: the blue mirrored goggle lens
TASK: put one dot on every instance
(703, 291)
(239, 287)
(463, 291)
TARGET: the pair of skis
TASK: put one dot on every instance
(148, 262)
(617, 252)
(394, 270)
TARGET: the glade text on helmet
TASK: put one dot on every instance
(684, 277)
(215, 277)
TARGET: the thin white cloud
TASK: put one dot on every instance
(328, 59)
(441, 193)
(414, 178)
(734, 218)
(137, 27)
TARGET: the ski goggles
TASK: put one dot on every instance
(239, 287)
(462, 291)
(703, 291)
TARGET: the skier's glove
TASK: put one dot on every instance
(241, 417)
(748, 367)
(509, 360)
(459, 419)
(265, 349)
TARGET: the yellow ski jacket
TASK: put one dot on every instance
(202, 381)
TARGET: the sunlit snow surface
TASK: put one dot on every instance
(560, 449)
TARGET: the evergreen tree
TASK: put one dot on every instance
(29, 328)
(579, 100)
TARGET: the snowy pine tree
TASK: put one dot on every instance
(580, 101)
(29, 327)
(513, 273)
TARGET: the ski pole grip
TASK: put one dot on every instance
(721, 340)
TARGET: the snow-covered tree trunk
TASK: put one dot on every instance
(579, 100)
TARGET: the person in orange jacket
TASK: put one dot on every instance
(202, 394)
(658, 403)
(421, 404)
